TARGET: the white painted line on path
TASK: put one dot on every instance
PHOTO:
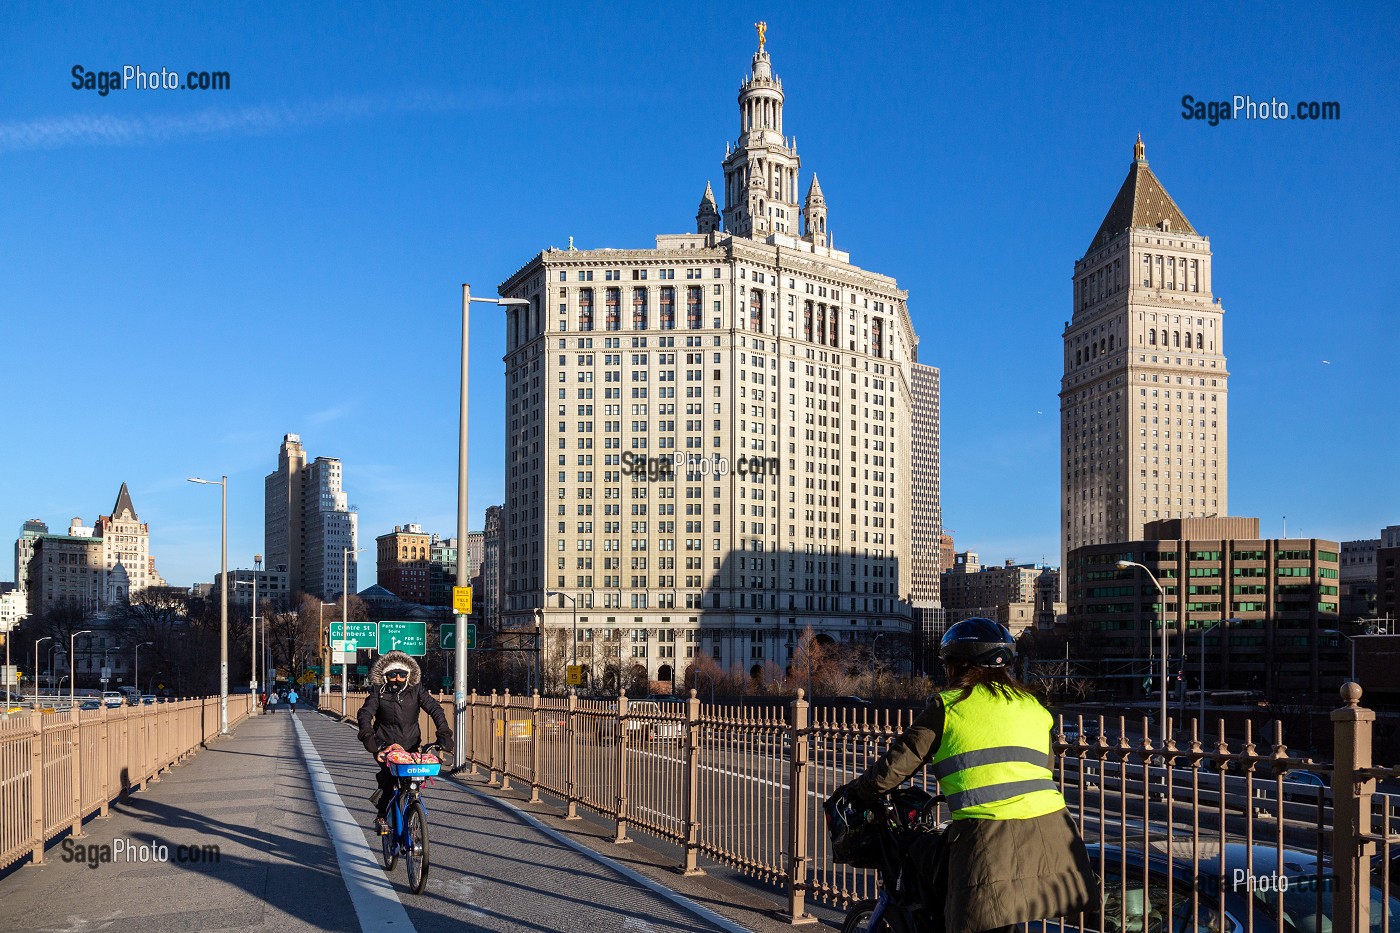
(376, 902)
(679, 900)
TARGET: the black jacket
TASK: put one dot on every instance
(389, 718)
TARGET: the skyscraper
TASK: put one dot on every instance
(1143, 400)
(282, 520)
(307, 523)
(708, 442)
(126, 545)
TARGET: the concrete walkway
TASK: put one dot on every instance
(284, 801)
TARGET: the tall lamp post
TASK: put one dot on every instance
(325, 647)
(1162, 612)
(345, 553)
(136, 666)
(253, 656)
(574, 603)
(73, 663)
(875, 664)
(37, 643)
(459, 699)
(1201, 711)
(222, 483)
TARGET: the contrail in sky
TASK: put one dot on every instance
(221, 122)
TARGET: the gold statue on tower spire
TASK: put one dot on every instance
(762, 28)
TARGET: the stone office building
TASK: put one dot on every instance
(708, 442)
(1143, 400)
(1276, 601)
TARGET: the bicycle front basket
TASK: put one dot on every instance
(408, 764)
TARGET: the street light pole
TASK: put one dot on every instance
(459, 699)
(223, 600)
(253, 659)
(345, 553)
(37, 643)
(574, 603)
(73, 663)
(136, 667)
(1162, 603)
(1201, 715)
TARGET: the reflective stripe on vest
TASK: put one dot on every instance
(994, 759)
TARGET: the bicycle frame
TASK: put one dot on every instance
(406, 791)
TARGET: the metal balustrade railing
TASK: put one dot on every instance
(57, 768)
(743, 786)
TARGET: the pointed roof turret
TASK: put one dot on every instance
(123, 502)
(1141, 202)
(707, 201)
(707, 218)
(814, 191)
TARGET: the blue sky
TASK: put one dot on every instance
(188, 276)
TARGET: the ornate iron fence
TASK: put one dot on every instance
(58, 768)
(743, 786)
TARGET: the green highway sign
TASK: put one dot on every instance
(447, 636)
(361, 634)
(408, 637)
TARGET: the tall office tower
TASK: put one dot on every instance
(926, 518)
(126, 546)
(24, 549)
(308, 525)
(490, 587)
(330, 529)
(708, 442)
(1143, 399)
(282, 521)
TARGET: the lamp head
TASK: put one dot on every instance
(1125, 564)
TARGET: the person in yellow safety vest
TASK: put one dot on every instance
(1012, 853)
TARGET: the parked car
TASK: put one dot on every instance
(1250, 879)
(1306, 787)
(641, 730)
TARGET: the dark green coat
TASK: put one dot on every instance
(990, 873)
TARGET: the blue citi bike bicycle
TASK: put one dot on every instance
(407, 819)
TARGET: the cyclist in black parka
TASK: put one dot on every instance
(390, 717)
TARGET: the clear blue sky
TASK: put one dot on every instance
(185, 277)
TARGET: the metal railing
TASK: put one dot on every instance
(58, 768)
(744, 787)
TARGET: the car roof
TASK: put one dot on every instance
(1211, 857)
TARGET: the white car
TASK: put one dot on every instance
(113, 699)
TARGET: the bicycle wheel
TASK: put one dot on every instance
(858, 919)
(416, 823)
(388, 841)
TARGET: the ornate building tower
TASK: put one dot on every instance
(760, 173)
(814, 215)
(1143, 399)
(707, 218)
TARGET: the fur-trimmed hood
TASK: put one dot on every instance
(395, 658)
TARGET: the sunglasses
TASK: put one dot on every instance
(397, 675)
